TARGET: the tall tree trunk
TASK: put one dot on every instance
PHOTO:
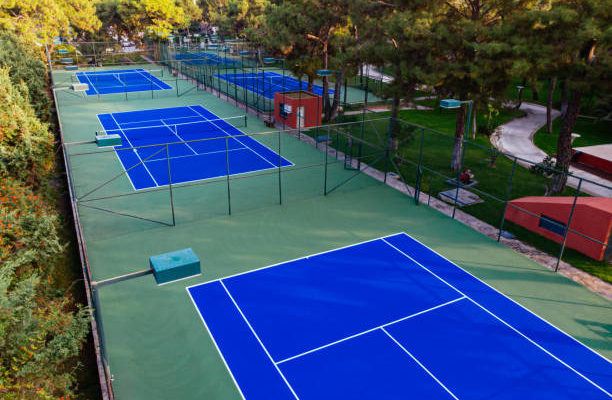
(564, 143)
(474, 127)
(549, 104)
(334, 108)
(534, 92)
(394, 123)
(310, 83)
(563, 97)
(458, 146)
(326, 105)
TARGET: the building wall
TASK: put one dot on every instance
(312, 109)
(589, 221)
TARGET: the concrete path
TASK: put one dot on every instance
(516, 138)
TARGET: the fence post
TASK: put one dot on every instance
(170, 185)
(569, 221)
(227, 164)
(326, 151)
(508, 191)
(280, 190)
(388, 147)
(417, 186)
(463, 150)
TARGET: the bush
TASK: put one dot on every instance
(39, 332)
(26, 145)
(27, 66)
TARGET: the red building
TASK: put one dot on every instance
(548, 216)
(299, 108)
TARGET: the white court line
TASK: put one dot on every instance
(291, 164)
(119, 159)
(259, 340)
(420, 364)
(178, 136)
(370, 330)
(216, 345)
(292, 260)
(502, 321)
(135, 152)
(235, 138)
(505, 296)
(91, 84)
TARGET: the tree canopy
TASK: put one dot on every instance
(40, 21)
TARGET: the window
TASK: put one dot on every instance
(552, 225)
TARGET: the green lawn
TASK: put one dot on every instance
(494, 183)
(592, 132)
(589, 102)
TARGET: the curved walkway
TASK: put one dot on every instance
(516, 138)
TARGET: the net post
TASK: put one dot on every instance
(170, 185)
(245, 120)
(569, 221)
(152, 92)
(176, 84)
(280, 190)
(508, 191)
(227, 176)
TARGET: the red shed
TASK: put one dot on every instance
(592, 217)
(299, 107)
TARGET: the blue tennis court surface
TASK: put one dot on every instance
(389, 319)
(268, 83)
(120, 81)
(221, 153)
(204, 59)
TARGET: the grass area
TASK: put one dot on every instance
(592, 132)
(589, 102)
(495, 183)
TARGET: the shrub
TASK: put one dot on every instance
(26, 145)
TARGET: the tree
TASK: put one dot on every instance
(39, 332)
(155, 15)
(396, 34)
(319, 29)
(26, 144)
(471, 62)
(25, 65)
(578, 38)
(40, 21)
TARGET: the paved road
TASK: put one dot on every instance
(516, 138)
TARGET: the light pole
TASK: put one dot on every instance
(454, 104)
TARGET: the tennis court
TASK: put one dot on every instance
(184, 144)
(120, 81)
(204, 59)
(267, 83)
(388, 319)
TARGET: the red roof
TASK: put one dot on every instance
(600, 203)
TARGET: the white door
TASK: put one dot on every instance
(300, 117)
